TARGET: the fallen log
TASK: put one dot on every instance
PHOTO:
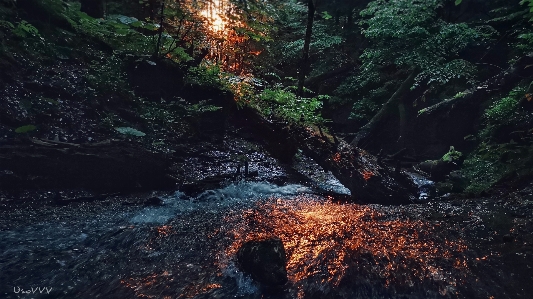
(368, 179)
(446, 123)
(429, 133)
(104, 167)
(502, 82)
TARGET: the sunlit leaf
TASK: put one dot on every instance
(129, 131)
(326, 15)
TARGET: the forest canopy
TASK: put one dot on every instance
(369, 71)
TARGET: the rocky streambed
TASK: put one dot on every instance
(174, 244)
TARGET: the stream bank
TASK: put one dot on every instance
(184, 246)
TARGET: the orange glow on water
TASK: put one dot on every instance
(164, 230)
(367, 175)
(326, 241)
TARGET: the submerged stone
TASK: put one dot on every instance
(265, 261)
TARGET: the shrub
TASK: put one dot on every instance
(286, 105)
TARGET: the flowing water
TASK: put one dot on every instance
(185, 248)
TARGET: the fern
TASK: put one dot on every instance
(25, 29)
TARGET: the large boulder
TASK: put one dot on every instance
(265, 261)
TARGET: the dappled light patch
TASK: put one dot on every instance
(367, 175)
(331, 244)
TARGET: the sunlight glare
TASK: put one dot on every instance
(214, 13)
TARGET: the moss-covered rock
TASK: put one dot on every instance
(439, 169)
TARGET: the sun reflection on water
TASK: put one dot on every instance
(332, 243)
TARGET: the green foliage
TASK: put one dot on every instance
(529, 4)
(481, 170)
(25, 29)
(525, 42)
(460, 94)
(200, 107)
(284, 104)
(121, 32)
(206, 74)
(292, 17)
(106, 75)
(25, 129)
(504, 112)
(6, 25)
(367, 93)
(242, 88)
(321, 41)
(290, 14)
(504, 109)
(179, 55)
(452, 155)
(490, 164)
(130, 131)
(363, 109)
(326, 16)
(159, 113)
(418, 39)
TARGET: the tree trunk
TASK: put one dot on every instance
(393, 103)
(307, 42)
(162, 18)
(104, 167)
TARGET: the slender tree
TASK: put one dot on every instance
(307, 42)
(162, 18)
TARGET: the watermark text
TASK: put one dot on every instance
(32, 290)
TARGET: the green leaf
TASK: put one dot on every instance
(136, 24)
(457, 2)
(129, 131)
(151, 26)
(126, 19)
(6, 24)
(25, 129)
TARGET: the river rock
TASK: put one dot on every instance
(265, 261)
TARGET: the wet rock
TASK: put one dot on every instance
(508, 238)
(437, 169)
(264, 260)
